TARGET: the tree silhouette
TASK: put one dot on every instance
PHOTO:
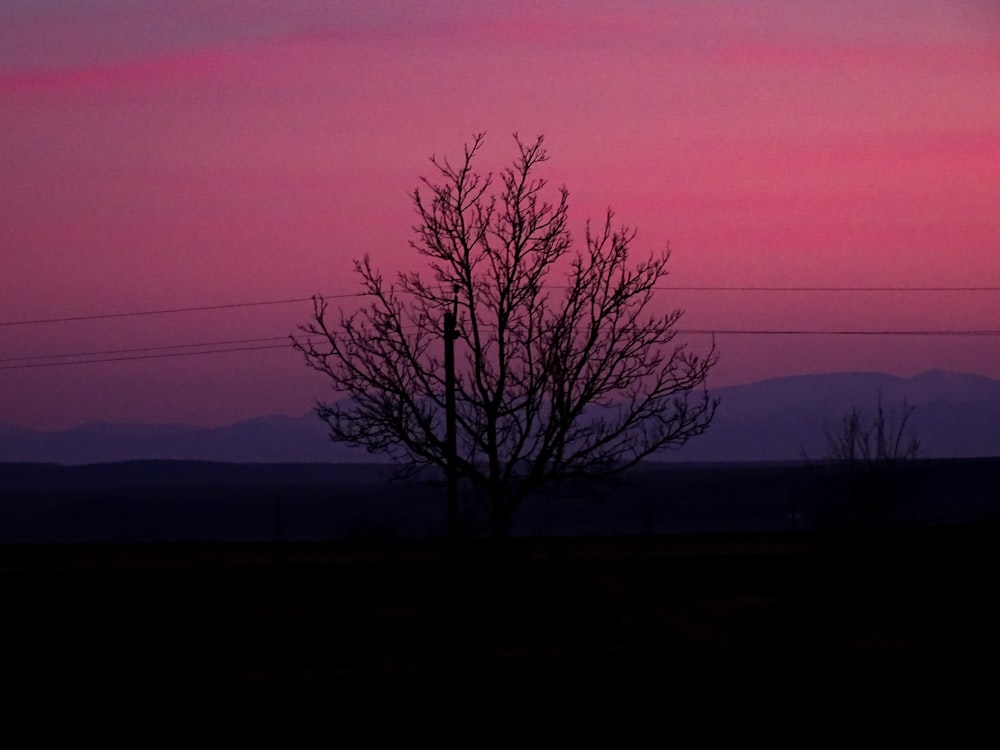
(869, 461)
(556, 379)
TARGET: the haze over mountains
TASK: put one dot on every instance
(956, 415)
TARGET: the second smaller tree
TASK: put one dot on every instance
(869, 459)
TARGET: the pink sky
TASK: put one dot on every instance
(178, 153)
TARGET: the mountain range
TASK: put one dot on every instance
(956, 415)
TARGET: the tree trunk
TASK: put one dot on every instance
(500, 522)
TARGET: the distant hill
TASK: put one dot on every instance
(271, 439)
(957, 415)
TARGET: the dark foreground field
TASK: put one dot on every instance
(690, 587)
(610, 619)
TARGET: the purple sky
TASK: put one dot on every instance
(173, 153)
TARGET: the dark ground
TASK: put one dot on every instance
(608, 617)
(170, 501)
(705, 591)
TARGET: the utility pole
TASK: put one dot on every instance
(450, 334)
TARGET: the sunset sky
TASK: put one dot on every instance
(163, 154)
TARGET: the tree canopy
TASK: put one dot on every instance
(563, 369)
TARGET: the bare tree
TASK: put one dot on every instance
(868, 460)
(556, 379)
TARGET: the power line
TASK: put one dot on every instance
(129, 358)
(167, 311)
(829, 288)
(258, 344)
(795, 332)
(295, 300)
(134, 350)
